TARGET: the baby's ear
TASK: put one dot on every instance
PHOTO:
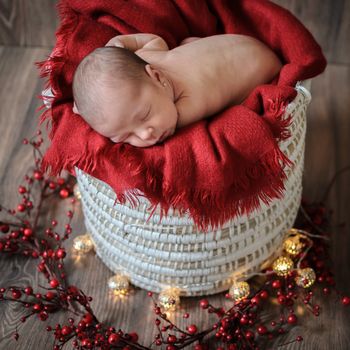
(75, 109)
(153, 72)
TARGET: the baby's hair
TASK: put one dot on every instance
(105, 66)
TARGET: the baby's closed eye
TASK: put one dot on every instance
(147, 115)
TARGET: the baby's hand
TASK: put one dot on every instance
(115, 42)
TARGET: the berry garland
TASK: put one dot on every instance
(239, 327)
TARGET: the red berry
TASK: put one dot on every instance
(204, 303)
(61, 181)
(73, 290)
(243, 320)
(172, 339)
(14, 234)
(50, 295)
(264, 294)
(299, 338)
(192, 329)
(88, 318)
(60, 253)
(276, 284)
(292, 319)
(346, 300)
(87, 343)
(47, 253)
(16, 294)
(21, 207)
(326, 290)
(262, 330)
(54, 283)
(28, 232)
(4, 228)
(38, 175)
(52, 185)
(41, 267)
(134, 337)
(28, 290)
(64, 193)
(255, 300)
(113, 339)
(281, 299)
(37, 307)
(22, 189)
(198, 347)
(43, 315)
(170, 347)
(249, 335)
(66, 330)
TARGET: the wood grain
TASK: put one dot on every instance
(327, 145)
(27, 23)
(328, 21)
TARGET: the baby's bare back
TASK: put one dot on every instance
(216, 72)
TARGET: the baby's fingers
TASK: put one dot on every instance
(115, 42)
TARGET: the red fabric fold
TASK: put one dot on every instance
(214, 169)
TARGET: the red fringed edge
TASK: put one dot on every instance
(278, 122)
(212, 208)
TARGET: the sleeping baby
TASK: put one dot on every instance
(137, 91)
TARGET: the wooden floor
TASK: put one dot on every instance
(26, 36)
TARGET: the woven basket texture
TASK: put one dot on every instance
(170, 252)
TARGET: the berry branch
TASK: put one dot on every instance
(238, 327)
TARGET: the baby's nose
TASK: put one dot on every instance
(146, 134)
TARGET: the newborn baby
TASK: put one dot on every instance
(135, 90)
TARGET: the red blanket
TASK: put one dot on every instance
(213, 169)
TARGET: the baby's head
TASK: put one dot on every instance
(124, 98)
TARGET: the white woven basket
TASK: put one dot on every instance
(171, 253)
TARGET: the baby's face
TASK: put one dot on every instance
(140, 116)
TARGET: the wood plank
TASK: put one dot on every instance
(33, 23)
(20, 85)
(327, 146)
(28, 23)
(328, 21)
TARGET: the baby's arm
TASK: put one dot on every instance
(134, 42)
(189, 39)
